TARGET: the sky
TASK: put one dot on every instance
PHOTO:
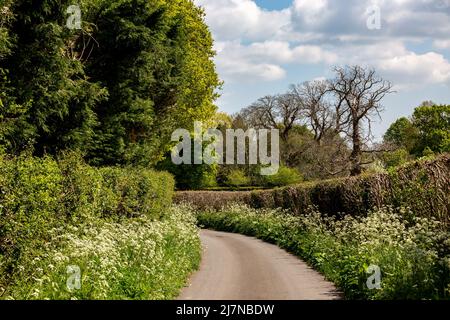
(264, 46)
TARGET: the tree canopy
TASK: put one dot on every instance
(428, 130)
(114, 89)
(433, 124)
(402, 133)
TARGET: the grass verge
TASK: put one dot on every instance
(132, 259)
(412, 253)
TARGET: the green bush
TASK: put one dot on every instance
(284, 177)
(205, 200)
(395, 158)
(237, 178)
(38, 195)
(139, 191)
(421, 185)
(30, 191)
(87, 195)
(190, 177)
(413, 253)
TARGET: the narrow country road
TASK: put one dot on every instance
(236, 267)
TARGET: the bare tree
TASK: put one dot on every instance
(358, 93)
(262, 113)
(338, 112)
(316, 109)
(290, 112)
(274, 112)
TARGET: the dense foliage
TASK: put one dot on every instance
(41, 199)
(84, 112)
(427, 132)
(413, 253)
(115, 89)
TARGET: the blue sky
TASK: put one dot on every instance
(264, 46)
(274, 4)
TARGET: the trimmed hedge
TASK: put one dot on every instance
(423, 186)
(204, 200)
(41, 194)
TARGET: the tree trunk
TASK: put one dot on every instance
(355, 157)
(285, 136)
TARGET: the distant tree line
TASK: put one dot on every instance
(326, 132)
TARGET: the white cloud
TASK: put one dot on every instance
(246, 71)
(405, 68)
(282, 52)
(234, 63)
(441, 44)
(258, 44)
(309, 19)
(311, 12)
(428, 68)
(411, 19)
(238, 19)
(265, 60)
(370, 53)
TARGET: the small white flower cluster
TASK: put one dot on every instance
(136, 258)
(5, 11)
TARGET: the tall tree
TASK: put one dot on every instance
(316, 109)
(433, 124)
(155, 58)
(5, 19)
(427, 131)
(55, 96)
(274, 112)
(402, 133)
(9, 110)
(359, 93)
(114, 88)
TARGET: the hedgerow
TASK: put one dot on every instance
(424, 186)
(413, 254)
(49, 207)
(134, 259)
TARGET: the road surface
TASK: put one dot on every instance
(236, 267)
